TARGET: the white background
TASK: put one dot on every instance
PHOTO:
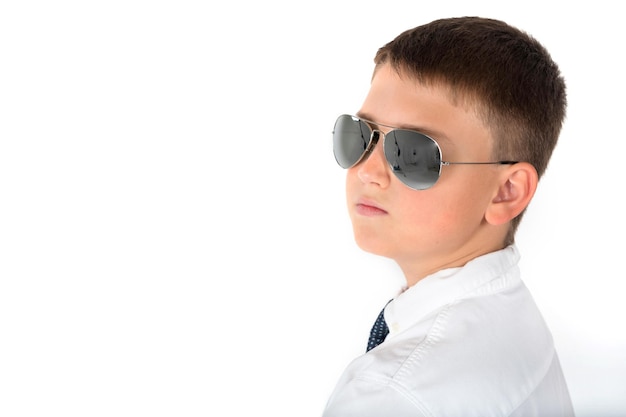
(173, 234)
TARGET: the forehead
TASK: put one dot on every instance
(399, 100)
(458, 94)
(404, 126)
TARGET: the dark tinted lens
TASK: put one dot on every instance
(350, 139)
(414, 158)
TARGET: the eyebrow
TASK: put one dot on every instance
(437, 135)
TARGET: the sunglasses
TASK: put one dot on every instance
(413, 157)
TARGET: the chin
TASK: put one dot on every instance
(371, 244)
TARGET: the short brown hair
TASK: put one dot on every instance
(505, 73)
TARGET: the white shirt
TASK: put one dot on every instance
(463, 342)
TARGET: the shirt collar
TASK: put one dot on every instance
(483, 274)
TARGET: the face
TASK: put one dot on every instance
(426, 230)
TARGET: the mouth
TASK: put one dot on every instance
(366, 207)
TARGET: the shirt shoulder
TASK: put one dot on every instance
(481, 355)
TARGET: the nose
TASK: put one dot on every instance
(374, 169)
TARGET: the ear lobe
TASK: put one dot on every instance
(516, 188)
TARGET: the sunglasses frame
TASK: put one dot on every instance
(377, 133)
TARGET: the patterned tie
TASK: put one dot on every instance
(379, 330)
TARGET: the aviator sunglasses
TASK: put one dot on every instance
(413, 157)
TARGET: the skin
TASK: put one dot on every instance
(464, 215)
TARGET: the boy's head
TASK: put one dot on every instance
(504, 74)
(478, 91)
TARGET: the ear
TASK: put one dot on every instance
(516, 187)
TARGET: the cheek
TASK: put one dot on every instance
(352, 181)
(421, 218)
(461, 216)
(439, 215)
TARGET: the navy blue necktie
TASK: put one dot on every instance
(379, 331)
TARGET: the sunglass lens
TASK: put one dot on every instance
(350, 139)
(414, 158)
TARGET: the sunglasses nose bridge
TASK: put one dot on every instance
(374, 138)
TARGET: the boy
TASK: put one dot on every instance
(442, 160)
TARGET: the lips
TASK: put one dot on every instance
(367, 207)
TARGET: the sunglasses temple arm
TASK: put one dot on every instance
(480, 163)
